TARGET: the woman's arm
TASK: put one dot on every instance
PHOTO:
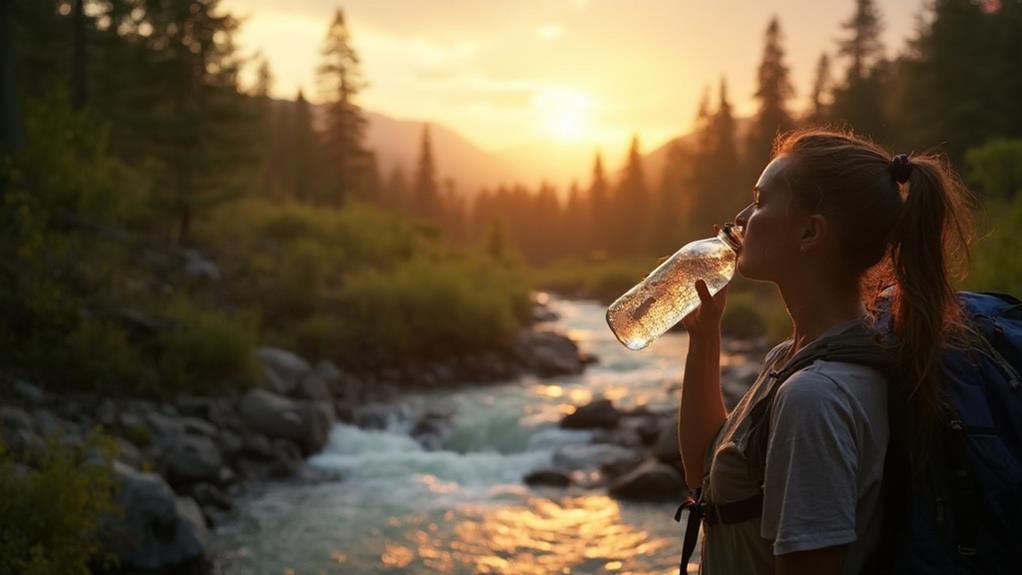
(701, 411)
(825, 561)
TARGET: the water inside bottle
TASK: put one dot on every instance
(639, 318)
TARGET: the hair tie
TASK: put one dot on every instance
(901, 168)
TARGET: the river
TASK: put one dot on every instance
(463, 508)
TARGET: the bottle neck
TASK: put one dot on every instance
(731, 236)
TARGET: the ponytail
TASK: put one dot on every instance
(929, 243)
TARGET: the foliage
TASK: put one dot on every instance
(51, 510)
(996, 168)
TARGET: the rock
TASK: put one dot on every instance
(196, 426)
(320, 382)
(13, 418)
(257, 445)
(49, 425)
(198, 267)
(588, 456)
(313, 387)
(286, 369)
(651, 481)
(374, 416)
(193, 459)
(128, 454)
(206, 494)
(29, 393)
(549, 477)
(612, 469)
(307, 423)
(344, 411)
(164, 427)
(24, 443)
(106, 413)
(598, 413)
(230, 443)
(287, 459)
(157, 531)
(666, 447)
(547, 353)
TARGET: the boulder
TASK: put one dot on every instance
(164, 427)
(304, 422)
(13, 418)
(650, 481)
(612, 469)
(49, 425)
(318, 384)
(283, 369)
(314, 387)
(29, 393)
(666, 448)
(106, 413)
(548, 477)
(548, 353)
(192, 459)
(197, 426)
(157, 532)
(374, 416)
(589, 456)
(600, 413)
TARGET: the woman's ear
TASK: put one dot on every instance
(814, 233)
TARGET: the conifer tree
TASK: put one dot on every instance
(340, 81)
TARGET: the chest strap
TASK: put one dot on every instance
(734, 512)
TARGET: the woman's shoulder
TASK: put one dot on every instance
(839, 385)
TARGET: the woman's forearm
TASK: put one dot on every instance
(701, 411)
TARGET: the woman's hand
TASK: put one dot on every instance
(704, 321)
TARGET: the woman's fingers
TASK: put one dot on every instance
(703, 291)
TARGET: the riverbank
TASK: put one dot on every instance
(448, 493)
(181, 463)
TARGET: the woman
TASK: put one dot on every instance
(835, 219)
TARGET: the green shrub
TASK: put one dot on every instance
(51, 511)
(206, 352)
(996, 168)
(427, 309)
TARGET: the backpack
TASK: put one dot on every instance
(963, 513)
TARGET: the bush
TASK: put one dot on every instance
(422, 309)
(51, 512)
(206, 352)
(603, 280)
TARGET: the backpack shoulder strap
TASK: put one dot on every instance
(859, 344)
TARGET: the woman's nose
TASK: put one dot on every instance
(743, 217)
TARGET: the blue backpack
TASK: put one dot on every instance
(963, 514)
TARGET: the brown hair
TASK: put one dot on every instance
(908, 239)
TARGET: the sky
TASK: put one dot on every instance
(507, 74)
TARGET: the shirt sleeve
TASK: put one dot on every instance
(810, 483)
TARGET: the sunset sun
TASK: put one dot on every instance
(563, 113)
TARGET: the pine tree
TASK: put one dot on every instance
(197, 124)
(599, 209)
(821, 90)
(396, 196)
(773, 93)
(860, 99)
(343, 138)
(302, 153)
(670, 207)
(631, 206)
(426, 195)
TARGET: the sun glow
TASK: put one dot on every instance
(563, 113)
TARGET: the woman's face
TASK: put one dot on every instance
(771, 243)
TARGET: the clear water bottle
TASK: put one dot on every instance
(668, 293)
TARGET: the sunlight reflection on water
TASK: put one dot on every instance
(463, 509)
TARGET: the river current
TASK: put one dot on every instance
(463, 508)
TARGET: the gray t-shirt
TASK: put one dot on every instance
(824, 464)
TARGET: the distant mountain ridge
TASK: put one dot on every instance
(397, 143)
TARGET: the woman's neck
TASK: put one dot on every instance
(815, 308)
